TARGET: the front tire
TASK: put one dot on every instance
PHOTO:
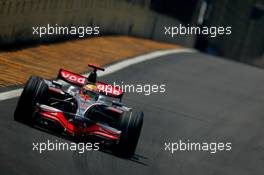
(34, 92)
(130, 126)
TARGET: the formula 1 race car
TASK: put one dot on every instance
(81, 107)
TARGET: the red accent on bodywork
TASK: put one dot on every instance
(96, 67)
(115, 110)
(109, 90)
(59, 91)
(71, 77)
(71, 129)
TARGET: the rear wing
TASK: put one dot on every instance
(72, 78)
(79, 80)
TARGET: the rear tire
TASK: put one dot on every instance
(34, 92)
(130, 126)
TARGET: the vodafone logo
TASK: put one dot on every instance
(73, 77)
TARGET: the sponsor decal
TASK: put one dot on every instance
(73, 77)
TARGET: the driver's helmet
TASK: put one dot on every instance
(90, 91)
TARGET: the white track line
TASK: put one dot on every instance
(114, 67)
(10, 94)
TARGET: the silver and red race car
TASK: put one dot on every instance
(81, 107)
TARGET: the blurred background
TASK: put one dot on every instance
(143, 19)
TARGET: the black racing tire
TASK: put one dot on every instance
(35, 91)
(130, 126)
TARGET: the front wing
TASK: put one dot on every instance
(76, 127)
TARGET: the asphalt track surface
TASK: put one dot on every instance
(207, 99)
